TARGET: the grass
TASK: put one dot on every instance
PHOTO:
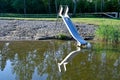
(10, 16)
(28, 15)
(94, 21)
(98, 21)
(17, 18)
(108, 33)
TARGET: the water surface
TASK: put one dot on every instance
(58, 60)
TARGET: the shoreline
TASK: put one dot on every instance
(19, 30)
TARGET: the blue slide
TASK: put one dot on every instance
(73, 31)
(71, 27)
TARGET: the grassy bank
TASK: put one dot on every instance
(109, 29)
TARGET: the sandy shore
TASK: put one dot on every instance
(36, 30)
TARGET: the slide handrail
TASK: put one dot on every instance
(60, 11)
(66, 11)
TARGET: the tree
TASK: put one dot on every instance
(49, 7)
(75, 6)
(56, 6)
(102, 5)
(4, 6)
(18, 5)
(118, 8)
(37, 6)
(24, 6)
(95, 2)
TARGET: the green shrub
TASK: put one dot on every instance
(62, 37)
(108, 33)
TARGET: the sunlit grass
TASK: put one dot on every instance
(18, 18)
(94, 21)
(97, 21)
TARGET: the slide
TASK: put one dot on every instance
(73, 31)
(71, 27)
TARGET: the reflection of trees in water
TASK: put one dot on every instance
(93, 64)
(40, 63)
(116, 69)
(3, 56)
(108, 68)
(49, 63)
(24, 68)
(98, 63)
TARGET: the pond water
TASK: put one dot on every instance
(58, 60)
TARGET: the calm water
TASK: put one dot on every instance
(58, 60)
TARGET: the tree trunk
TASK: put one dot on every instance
(24, 6)
(118, 9)
(102, 5)
(56, 6)
(49, 7)
(96, 6)
(75, 6)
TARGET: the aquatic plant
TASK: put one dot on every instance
(109, 33)
(62, 37)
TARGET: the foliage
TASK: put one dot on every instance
(52, 6)
(108, 33)
(62, 37)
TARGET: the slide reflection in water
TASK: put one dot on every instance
(67, 59)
